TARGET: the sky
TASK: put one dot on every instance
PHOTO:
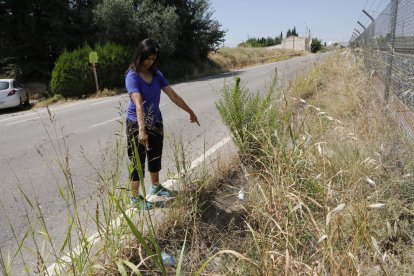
(329, 20)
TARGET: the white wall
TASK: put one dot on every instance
(294, 43)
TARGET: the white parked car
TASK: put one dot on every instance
(12, 94)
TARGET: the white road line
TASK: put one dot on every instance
(212, 150)
(43, 110)
(22, 116)
(18, 122)
(104, 101)
(116, 222)
(103, 123)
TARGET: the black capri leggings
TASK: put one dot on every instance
(155, 143)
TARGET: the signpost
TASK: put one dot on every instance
(93, 58)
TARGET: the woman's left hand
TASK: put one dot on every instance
(193, 118)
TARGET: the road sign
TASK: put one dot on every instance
(93, 57)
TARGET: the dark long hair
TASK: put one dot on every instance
(145, 48)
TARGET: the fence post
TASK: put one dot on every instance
(394, 13)
(372, 26)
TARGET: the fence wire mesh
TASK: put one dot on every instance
(388, 49)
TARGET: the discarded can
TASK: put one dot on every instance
(167, 259)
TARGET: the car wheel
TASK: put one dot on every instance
(27, 102)
(20, 103)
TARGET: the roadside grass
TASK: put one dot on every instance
(329, 189)
(49, 101)
(79, 253)
(125, 239)
(327, 176)
(237, 58)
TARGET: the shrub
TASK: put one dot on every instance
(316, 45)
(72, 75)
(246, 114)
(113, 63)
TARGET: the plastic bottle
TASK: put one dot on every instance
(241, 194)
(167, 259)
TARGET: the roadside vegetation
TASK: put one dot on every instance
(329, 177)
(237, 58)
(58, 69)
(327, 180)
(321, 184)
(72, 74)
(185, 31)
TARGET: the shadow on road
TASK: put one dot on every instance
(12, 110)
(219, 76)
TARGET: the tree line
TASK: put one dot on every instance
(34, 33)
(268, 41)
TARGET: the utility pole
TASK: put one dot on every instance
(308, 40)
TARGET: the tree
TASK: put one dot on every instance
(160, 23)
(199, 32)
(35, 32)
(138, 21)
(183, 28)
(117, 21)
(316, 45)
(290, 32)
(260, 42)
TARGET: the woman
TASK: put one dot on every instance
(144, 83)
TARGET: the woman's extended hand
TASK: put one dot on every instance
(180, 103)
(143, 138)
(193, 118)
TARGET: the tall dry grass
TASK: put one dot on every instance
(240, 57)
(330, 189)
(227, 59)
(108, 239)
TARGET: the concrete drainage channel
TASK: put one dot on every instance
(157, 215)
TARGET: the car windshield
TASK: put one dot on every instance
(4, 85)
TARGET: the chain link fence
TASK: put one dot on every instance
(387, 46)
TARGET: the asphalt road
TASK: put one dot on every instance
(86, 131)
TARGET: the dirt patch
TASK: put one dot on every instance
(218, 224)
(225, 209)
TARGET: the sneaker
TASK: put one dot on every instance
(140, 203)
(159, 190)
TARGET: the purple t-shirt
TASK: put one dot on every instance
(150, 93)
